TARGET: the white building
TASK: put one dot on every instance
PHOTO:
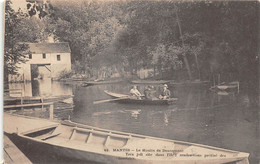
(47, 60)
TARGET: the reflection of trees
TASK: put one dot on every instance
(202, 98)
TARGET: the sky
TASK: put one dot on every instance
(16, 4)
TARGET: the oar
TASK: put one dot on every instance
(109, 100)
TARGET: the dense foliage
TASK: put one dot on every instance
(19, 28)
(178, 40)
(215, 37)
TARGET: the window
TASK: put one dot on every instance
(44, 55)
(30, 56)
(58, 57)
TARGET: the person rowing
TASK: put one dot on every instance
(135, 93)
(149, 92)
(165, 93)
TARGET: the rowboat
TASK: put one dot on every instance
(101, 82)
(130, 99)
(87, 143)
(228, 86)
(37, 99)
(71, 79)
(150, 81)
(224, 87)
(189, 83)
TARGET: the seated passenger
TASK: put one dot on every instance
(135, 93)
(149, 92)
(165, 93)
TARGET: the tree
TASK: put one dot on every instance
(38, 7)
(90, 28)
(19, 28)
(13, 51)
(208, 37)
(182, 40)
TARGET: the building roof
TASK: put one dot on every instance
(39, 48)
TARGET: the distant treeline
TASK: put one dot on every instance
(178, 40)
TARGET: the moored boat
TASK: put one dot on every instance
(72, 79)
(150, 81)
(129, 99)
(227, 86)
(224, 87)
(87, 143)
(189, 83)
(30, 100)
(101, 82)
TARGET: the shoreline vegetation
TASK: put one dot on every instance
(182, 41)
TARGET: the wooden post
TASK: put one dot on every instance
(238, 87)
(197, 64)
(214, 80)
(42, 102)
(21, 99)
(51, 111)
(154, 72)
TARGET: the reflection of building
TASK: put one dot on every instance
(43, 88)
(46, 60)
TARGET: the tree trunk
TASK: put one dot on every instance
(154, 73)
(197, 63)
(184, 55)
(258, 61)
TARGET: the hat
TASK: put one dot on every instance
(165, 85)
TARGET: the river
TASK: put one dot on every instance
(201, 116)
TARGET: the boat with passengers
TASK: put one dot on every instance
(123, 98)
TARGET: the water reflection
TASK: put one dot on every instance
(42, 87)
(134, 113)
(200, 115)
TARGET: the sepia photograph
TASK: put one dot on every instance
(131, 82)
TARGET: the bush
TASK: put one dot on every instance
(65, 74)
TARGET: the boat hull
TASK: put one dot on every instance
(89, 83)
(190, 84)
(31, 100)
(225, 87)
(146, 102)
(150, 81)
(141, 101)
(78, 156)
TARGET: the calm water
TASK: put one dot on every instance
(200, 116)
